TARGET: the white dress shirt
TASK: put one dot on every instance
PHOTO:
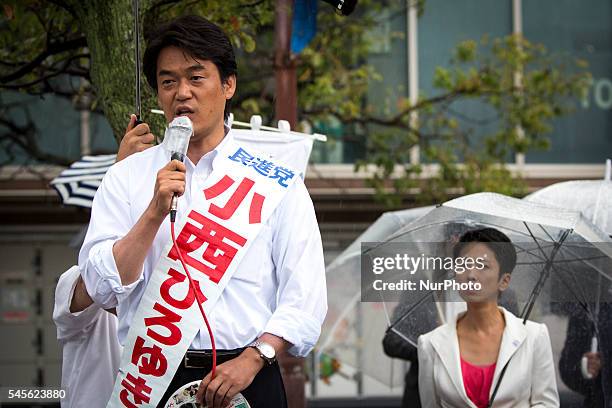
(90, 350)
(529, 380)
(278, 288)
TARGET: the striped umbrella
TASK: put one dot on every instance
(77, 184)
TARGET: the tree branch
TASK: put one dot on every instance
(52, 49)
(160, 4)
(257, 3)
(43, 79)
(24, 137)
(399, 119)
(64, 5)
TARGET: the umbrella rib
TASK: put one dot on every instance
(401, 234)
(546, 232)
(532, 295)
(531, 252)
(401, 335)
(560, 268)
(543, 276)
(563, 261)
(557, 265)
(590, 265)
(535, 240)
(601, 273)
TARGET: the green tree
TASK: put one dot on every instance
(521, 86)
(94, 41)
(84, 50)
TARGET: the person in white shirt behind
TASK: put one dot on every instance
(87, 333)
(90, 349)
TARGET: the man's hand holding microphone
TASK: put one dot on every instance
(130, 251)
(167, 184)
(170, 182)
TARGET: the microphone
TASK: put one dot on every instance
(176, 142)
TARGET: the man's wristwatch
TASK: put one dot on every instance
(266, 351)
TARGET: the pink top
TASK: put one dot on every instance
(477, 381)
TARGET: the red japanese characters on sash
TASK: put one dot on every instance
(236, 199)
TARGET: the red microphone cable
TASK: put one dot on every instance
(198, 300)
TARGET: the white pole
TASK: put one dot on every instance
(85, 133)
(413, 71)
(517, 28)
(84, 118)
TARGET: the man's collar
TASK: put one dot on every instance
(214, 154)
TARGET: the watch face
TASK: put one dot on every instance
(267, 350)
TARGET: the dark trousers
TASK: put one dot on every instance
(266, 390)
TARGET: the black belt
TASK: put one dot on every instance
(203, 358)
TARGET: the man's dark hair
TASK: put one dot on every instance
(199, 38)
(496, 240)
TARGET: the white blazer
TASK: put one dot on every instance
(529, 380)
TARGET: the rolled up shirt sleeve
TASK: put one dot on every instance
(300, 271)
(110, 221)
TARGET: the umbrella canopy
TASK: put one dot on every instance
(353, 331)
(385, 226)
(555, 248)
(562, 258)
(78, 184)
(592, 197)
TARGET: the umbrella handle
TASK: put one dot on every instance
(584, 361)
(138, 122)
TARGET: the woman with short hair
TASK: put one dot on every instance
(460, 363)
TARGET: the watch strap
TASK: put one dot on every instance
(257, 346)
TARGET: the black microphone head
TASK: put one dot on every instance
(344, 7)
(177, 156)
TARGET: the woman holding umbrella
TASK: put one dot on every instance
(462, 363)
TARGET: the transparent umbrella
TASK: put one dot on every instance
(553, 245)
(594, 199)
(591, 197)
(352, 332)
(561, 258)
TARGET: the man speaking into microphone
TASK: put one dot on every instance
(246, 229)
